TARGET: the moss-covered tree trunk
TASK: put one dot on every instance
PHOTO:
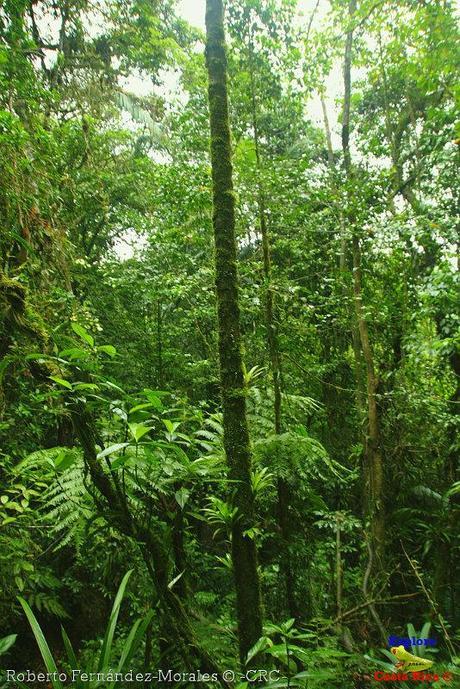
(236, 434)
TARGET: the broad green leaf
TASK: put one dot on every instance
(425, 633)
(259, 647)
(146, 405)
(112, 386)
(111, 450)
(74, 353)
(82, 333)
(153, 395)
(71, 657)
(121, 461)
(7, 642)
(64, 460)
(8, 520)
(37, 356)
(138, 430)
(13, 506)
(171, 425)
(85, 386)
(61, 381)
(182, 496)
(108, 349)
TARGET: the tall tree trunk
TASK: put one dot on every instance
(272, 347)
(236, 433)
(373, 458)
(338, 568)
(159, 344)
(327, 131)
(373, 453)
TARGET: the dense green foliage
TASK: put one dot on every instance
(116, 349)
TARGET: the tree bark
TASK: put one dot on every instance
(236, 433)
(327, 131)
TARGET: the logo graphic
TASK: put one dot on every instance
(408, 642)
(410, 667)
(406, 666)
(408, 662)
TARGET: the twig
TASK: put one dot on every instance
(312, 16)
(366, 16)
(309, 373)
(375, 601)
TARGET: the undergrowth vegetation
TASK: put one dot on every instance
(229, 349)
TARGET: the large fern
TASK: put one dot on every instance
(67, 505)
(296, 409)
(293, 455)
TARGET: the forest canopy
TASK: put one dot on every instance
(229, 343)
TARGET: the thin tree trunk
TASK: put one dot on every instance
(180, 557)
(273, 350)
(373, 458)
(159, 344)
(236, 433)
(327, 131)
(338, 568)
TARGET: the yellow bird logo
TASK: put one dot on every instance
(408, 662)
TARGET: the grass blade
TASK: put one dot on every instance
(106, 650)
(42, 644)
(71, 657)
(135, 637)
